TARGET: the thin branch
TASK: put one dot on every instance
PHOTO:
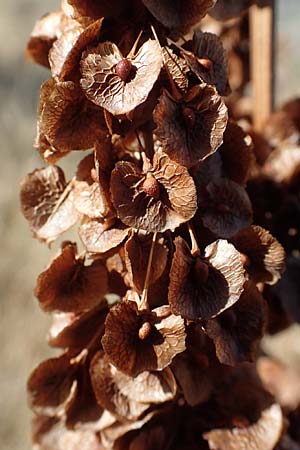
(144, 299)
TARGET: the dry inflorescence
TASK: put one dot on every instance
(161, 310)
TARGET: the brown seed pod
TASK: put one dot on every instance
(69, 121)
(265, 255)
(77, 331)
(237, 331)
(204, 289)
(68, 285)
(180, 124)
(99, 237)
(116, 83)
(49, 385)
(133, 351)
(127, 397)
(45, 204)
(207, 61)
(159, 198)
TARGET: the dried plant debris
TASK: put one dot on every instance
(117, 83)
(180, 124)
(158, 313)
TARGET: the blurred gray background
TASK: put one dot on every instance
(23, 326)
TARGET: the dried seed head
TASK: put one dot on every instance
(201, 270)
(145, 331)
(213, 289)
(180, 124)
(123, 69)
(151, 186)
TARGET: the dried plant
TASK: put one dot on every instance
(160, 314)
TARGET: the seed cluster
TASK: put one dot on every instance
(161, 314)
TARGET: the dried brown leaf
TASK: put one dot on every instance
(201, 288)
(68, 285)
(191, 129)
(116, 83)
(134, 347)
